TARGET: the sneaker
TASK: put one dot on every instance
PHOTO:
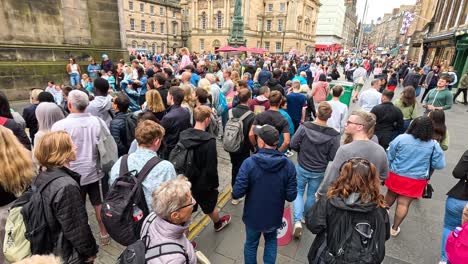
(297, 229)
(394, 232)
(289, 153)
(442, 262)
(201, 258)
(303, 220)
(223, 221)
(237, 201)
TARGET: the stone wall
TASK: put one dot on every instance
(39, 36)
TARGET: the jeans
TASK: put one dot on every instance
(453, 215)
(251, 246)
(312, 180)
(74, 79)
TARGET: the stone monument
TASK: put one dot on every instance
(39, 36)
(237, 30)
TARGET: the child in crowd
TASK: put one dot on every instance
(111, 80)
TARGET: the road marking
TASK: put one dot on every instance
(196, 227)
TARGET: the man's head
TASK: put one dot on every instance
(201, 67)
(337, 90)
(360, 123)
(186, 76)
(444, 80)
(189, 68)
(66, 91)
(45, 97)
(149, 135)
(267, 136)
(77, 101)
(201, 95)
(264, 90)
(216, 66)
(275, 99)
(277, 73)
(167, 72)
(211, 78)
(227, 74)
(303, 74)
(159, 79)
(387, 96)
(324, 111)
(244, 96)
(175, 96)
(121, 102)
(436, 68)
(202, 115)
(375, 84)
(101, 86)
(105, 57)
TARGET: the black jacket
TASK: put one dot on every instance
(285, 77)
(330, 219)
(412, 79)
(275, 86)
(19, 132)
(389, 121)
(237, 112)
(66, 215)
(460, 190)
(119, 132)
(29, 115)
(205, 175)
(163, 90)
(175, 121)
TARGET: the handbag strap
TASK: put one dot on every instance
(430, 162)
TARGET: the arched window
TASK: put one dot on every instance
(144, 46)
(134, 44)
(219, 20)
(153, 48)
(203, 21)
(163, 48)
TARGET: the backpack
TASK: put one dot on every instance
(106, 147)
(363, 241)
(130, 126)
(183, 159)
(222, 104)
(234, 132)
(213, 127)
(457, 245)
(26, 226)
(140, 252)
(124, 207)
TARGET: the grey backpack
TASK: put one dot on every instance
(234, 132)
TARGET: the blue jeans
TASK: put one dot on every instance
(74, 79)
(453, 214)
(312, 180)
(251, 246)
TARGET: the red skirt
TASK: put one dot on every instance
(405, 186)
(391, 87)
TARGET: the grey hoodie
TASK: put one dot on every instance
(316, 144)
(100, 107)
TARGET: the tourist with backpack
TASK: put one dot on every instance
(236, 134)
(101, 105)
(15, 176)
(69, 234)
(85, 131)
(202, 99)
(122, 127)
(197, 159)
(351, 222)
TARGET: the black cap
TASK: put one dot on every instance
(268, 134)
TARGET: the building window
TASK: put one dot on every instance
(153, 27)
(219, 20)
(258, 44)
(278, 46)
(143, 25)
(161, 29)
(152, 11)
(185, 26)
(268, 26)
(270, 8)
(161, 11)
(282, 7)
(144, 46)
(174, 28)
(130, 5)
(202, 44)
(142, 7)
(163, 48)
(203, 21)
(134, 44)
(259, 25)
(132, 24)
(153, 48)
(267, 45)
(280, 25)
(173, 13)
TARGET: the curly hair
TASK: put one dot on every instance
(421, 128)
(358, 175)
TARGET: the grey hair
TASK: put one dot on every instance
(170, 196)
(47, 114)
(210, 77)
(79, 100)
(247, 74)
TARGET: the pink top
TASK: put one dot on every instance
(185, 61)
(377, 71)
(317, 75)
(320, 91)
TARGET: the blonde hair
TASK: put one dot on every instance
(16, 166)
(170, 196)
(257, 72)
(188, 97)
(84, 76)
(235, 77)
(154, 101)
(37, 259)
(205, 85)
(55, 149)
(185, 50)
(35, 93)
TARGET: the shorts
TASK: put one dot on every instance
(94, 192)
(358, 87)
(206, 199)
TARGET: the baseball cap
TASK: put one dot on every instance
(104, 56)
(268, 134)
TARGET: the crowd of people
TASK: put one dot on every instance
(154, 122)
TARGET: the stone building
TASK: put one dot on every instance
(330, 24)
(152, 25)
(426, 10)
(350, 24)
(277, 25)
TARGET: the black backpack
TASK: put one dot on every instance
(124, 207)
(130, 126)
(140, 252)
(183, 159)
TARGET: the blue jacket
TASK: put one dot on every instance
(133, 95)
(410, 157)
(267, 179)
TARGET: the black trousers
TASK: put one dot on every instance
(458, 93)
(236, 161)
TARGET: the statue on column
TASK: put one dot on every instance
(236, 38)
(238, 8)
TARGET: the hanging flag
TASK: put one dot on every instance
(408, 17)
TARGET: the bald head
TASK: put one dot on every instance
(186, 76)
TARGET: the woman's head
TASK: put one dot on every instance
(16, 166)
(72, 61)
(421, 128)
(322, 78)
(55, 149)
(150, 84)
(438, 122)
(154, 102)
(408, 96)
(4, 106)
(173, 200)
(358, 175)
(184, 51)
(47, 114)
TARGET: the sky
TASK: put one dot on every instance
(377, 8)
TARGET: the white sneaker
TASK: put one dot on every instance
(237, 201)
(289, 153)
(303, 220)
(297, 233)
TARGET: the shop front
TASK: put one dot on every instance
(439, 50)
(461, 60)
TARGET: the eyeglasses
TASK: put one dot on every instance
(354, 123)
(193, 203)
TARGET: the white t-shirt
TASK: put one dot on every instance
(339, 115)
(369, 98)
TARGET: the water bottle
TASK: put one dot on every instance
(137, 213)
(457, 231)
